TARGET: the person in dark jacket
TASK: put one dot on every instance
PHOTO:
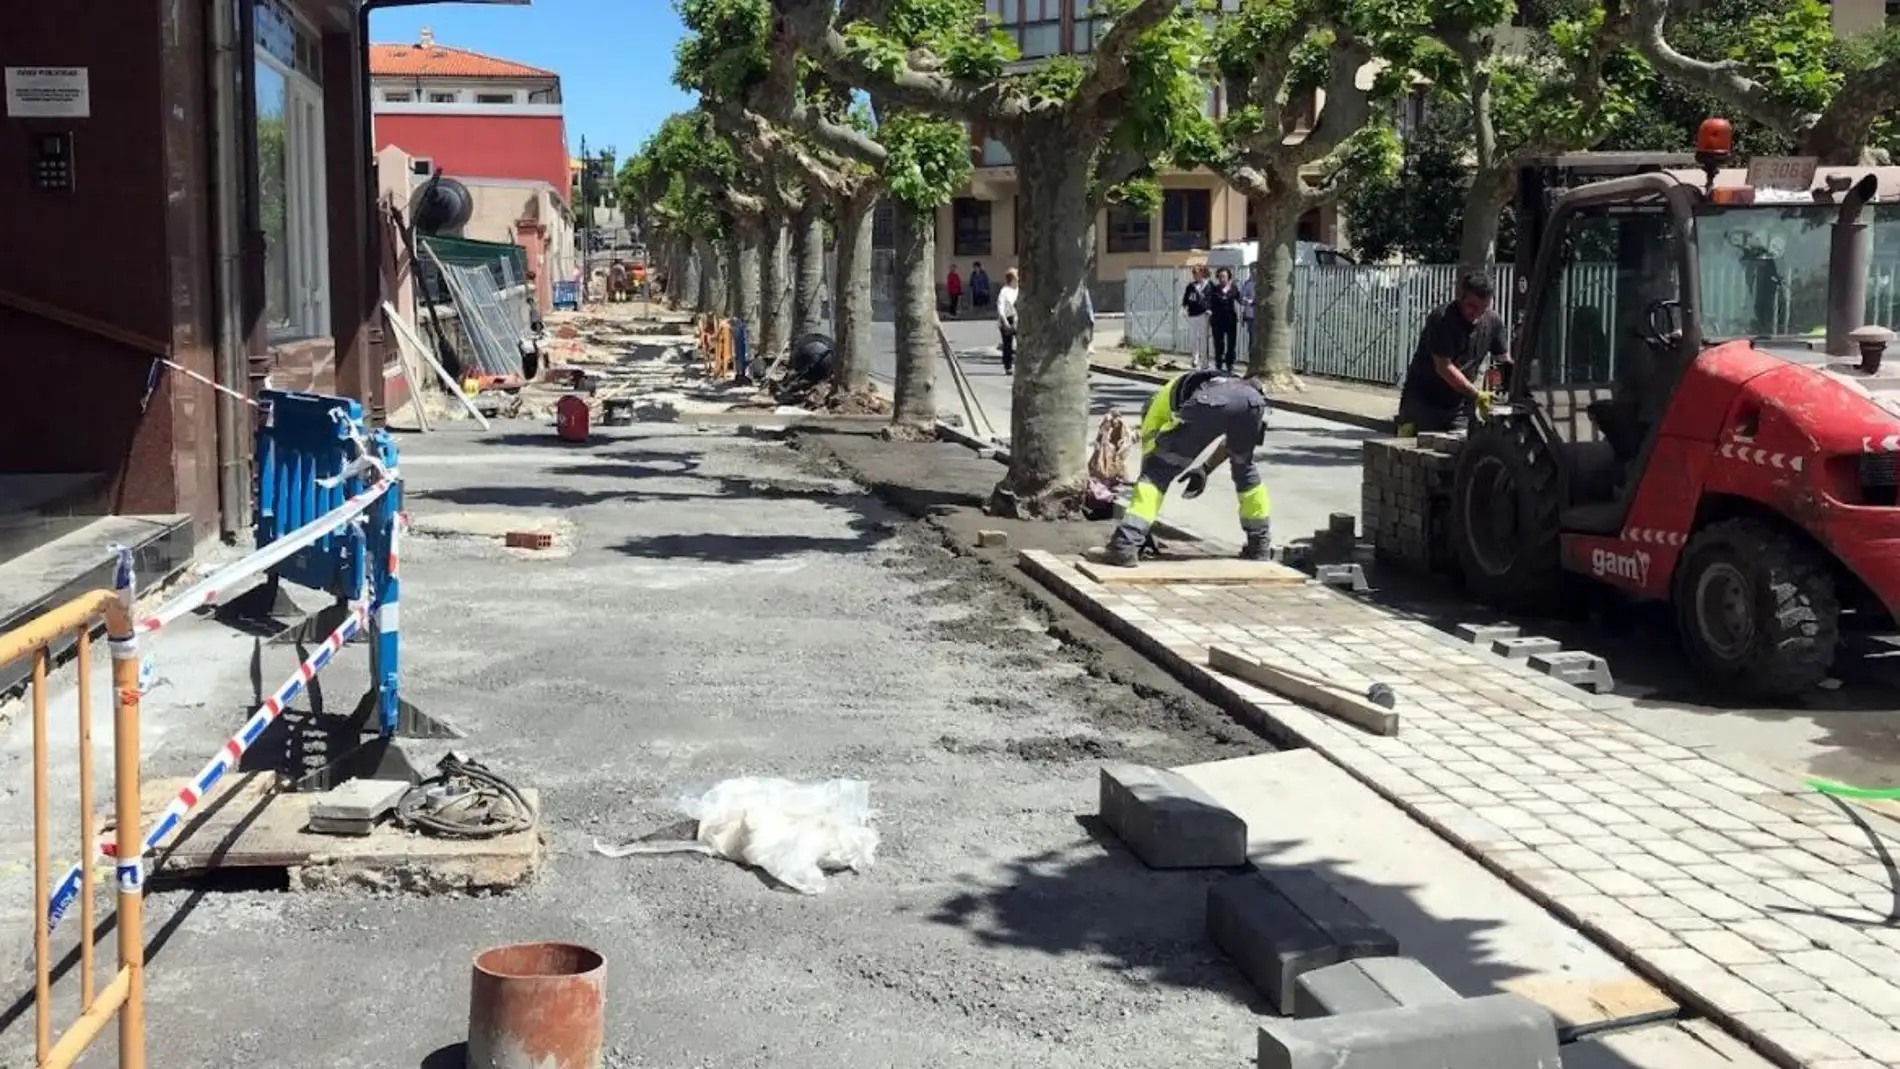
(1223, 318)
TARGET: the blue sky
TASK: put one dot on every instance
(615, 57)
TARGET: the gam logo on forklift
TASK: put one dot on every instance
(1631, 567)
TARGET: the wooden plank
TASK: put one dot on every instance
(1476, 932)
(1205, 570)
(1311, 691)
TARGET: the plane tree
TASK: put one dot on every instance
(1080, 130)
(692, 182)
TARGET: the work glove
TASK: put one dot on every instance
(1484, 405)
(1193, 483)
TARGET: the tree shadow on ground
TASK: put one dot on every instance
(1093, 897)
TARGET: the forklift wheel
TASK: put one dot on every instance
(1756, 609)
(1505, 507)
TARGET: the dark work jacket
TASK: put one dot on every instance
(1223, 305)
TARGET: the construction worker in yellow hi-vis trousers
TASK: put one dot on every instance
(1190, 413)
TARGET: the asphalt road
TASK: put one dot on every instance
(1311, 465)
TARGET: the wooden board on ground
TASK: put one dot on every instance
(245, 823)
(1478, 933)
(1309, 690)
(1228, 571)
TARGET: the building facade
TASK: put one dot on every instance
(231, 233)
(469, 115)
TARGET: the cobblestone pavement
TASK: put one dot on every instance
(1754, 901)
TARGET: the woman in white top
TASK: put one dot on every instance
(1006, 320)
(1194, 302)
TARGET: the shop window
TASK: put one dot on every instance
(1129, 229)
(291, 210)
(970, 227)
(1184, 219)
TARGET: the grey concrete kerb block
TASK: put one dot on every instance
(1493, 1032)
(1168, 822)
(1367, 984)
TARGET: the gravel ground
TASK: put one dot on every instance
(718, 610)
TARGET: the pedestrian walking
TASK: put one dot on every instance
(1006, 320)
(953, 288)
(979, 286)
(1443, 388)
(1193, 411)
(1223, 318)
(1194, 303)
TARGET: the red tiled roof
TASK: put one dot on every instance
(436, 61)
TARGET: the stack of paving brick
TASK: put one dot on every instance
(1402, 478)
(1345, 996)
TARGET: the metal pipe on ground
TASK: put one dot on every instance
(537, 1006)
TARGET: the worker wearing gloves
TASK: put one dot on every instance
(1444, 387)
(1190, 413)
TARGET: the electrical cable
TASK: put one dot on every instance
(465, 800)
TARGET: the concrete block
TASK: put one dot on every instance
(1493, 1032)
(353, 807)
(1486, 634)
(1168, 822)
(1578, 668)
(1517, 649)
(1366, 984)
(1346, 576)
(992, 539)
(1344, 923)
(1267, 938)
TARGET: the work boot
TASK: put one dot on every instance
(1121, 556)
(1259, 547)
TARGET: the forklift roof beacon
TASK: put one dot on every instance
(1714, 146)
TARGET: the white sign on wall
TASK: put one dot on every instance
(48, 93)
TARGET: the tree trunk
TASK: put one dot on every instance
(808, 270)
(1478, 233)
(743, 286)
(1049, 401)
(771, 339)
(712, 279)
(915, 400)
(1270, 359)
(851, 299)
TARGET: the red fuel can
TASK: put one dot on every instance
(571, 419)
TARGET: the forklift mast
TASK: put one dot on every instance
(1540, 181)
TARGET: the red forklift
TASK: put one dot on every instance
(1733, 414)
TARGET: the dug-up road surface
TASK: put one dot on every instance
(721, 611)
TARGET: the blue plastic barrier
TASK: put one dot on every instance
(738, 347)
(306, 440)
(567, 296)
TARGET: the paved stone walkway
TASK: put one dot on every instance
(1757, 903)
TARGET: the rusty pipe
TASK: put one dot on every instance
(537, 1006)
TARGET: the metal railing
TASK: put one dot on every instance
(1362, 323)
(123, 997)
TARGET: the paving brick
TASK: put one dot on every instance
(1266, 937)
(1832, 1011)
(1368, 984)
(1632, 933)
(1493, 1032)
(1168, 822)
(1774, 978)
(1727, 949)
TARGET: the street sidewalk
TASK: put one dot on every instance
(1752, 899)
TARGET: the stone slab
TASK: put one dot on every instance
(1485, 634)
(1167, 821)
(1494, 1032)
(1670, 1045)
(1476, 932)
(1366, 984)
(1344, 923)
(245, 823)
(1225, 571)
(1266, 937)
(358, 799)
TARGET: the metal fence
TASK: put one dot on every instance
(487, 255)
(491, 319)
(1362, 323)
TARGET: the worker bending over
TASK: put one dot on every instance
(1190, 413)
